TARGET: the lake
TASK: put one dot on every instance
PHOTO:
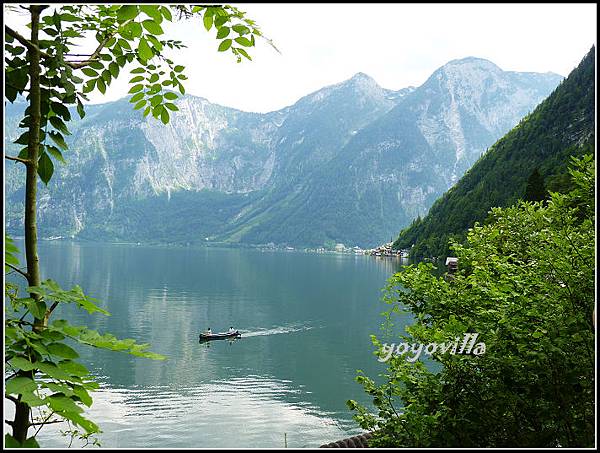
(305, 320)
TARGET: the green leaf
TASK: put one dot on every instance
(166, 13)
(139, 105)
(136, 97)
(86, 424)
(89, 86)
(153, 12)
(36, 307)
(220, 20)
(243, 41)
(164, 116)
(83, 395)
(62, 350)
(155, 100)
(96, 65)
(144, 50)
(61, 110)
(58, 387)
(223, 32)
(11, 442)
(21, 363)
(56, 153)
(58, 139)
(178, 68)
(114, 69)
(136, 79)
(156, 110)
(45, 168)
(31, 399)
(89, 72)
(63, 327)
(60, 403)
(53, 371)
(137, 71)
(107, 76)
(136, 88)
(127, 12)
(23, 139)
(155, 42)
(152, 27)
(124, 44)
(241, 29)
(208, 21)
(135, 29)
(170, 96)
(226, 44)
(40, 348)
(59, 124)
(19, 384)
(101, 85)
(171, 106)
(80, 109)
(73, 368)
(244, 53)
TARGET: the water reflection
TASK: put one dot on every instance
(305, 321)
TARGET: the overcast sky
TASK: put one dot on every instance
(396, 44)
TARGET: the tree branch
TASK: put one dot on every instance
(18, 159)
(94, 55)
(9, 31)
(73, 65)
(23, 273)
(42, 424)
(46, 423)
(51, 309)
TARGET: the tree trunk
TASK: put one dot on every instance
(22, 411)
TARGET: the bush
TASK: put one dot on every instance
(526, 285)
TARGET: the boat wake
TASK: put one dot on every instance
(275, 331)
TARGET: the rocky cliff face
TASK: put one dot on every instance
(352, 162)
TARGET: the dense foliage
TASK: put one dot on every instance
(525, 284)
(561, 126)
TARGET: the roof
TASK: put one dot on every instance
(360, 441)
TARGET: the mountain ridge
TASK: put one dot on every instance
(563, 124)
(247, 177)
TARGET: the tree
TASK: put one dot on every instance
(536, 189)
(526, 286)
(47, 68)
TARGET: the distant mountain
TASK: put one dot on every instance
(352, 162)
(540, 144)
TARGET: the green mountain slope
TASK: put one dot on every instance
(561, 126)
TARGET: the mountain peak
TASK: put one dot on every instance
(361, 76)
(472, 62)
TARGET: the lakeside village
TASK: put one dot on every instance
(384, 250)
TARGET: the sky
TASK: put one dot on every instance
(399, 45)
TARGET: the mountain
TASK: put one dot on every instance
(352, 162)
(537, 148)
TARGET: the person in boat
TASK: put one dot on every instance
(208, 331)
(231, 330)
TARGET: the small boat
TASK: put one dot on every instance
(219, 336)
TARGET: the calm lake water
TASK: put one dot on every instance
(305, 319)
